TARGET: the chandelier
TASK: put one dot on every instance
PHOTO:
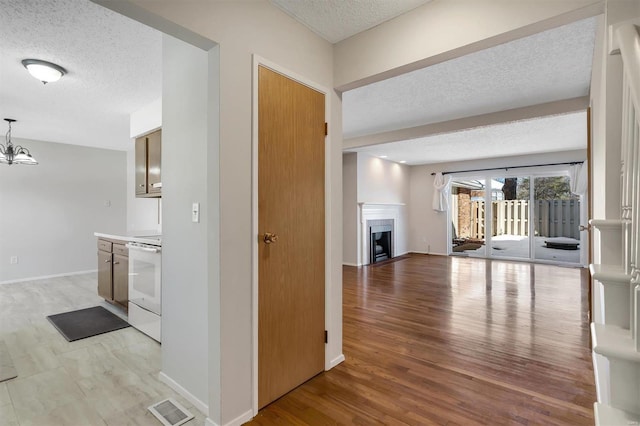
(10, 154)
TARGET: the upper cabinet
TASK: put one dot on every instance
(148, 159)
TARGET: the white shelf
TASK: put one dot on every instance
(609, 274)
(614, 342)
(606, 415)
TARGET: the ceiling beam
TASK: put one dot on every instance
(526, 113)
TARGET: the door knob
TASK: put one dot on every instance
(585, 228)
(269, 238)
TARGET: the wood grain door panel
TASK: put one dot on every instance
(290, 204)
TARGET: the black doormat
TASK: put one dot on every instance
(87, 322)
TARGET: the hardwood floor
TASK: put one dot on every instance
(441, 340)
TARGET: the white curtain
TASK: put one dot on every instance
(441, 192)
(578, 179)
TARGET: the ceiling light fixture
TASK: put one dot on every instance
(383, 156)
(44, 71)
(10, 154)
(403, 161)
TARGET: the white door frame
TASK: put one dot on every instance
(257, 61)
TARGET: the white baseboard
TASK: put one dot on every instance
(204, 408)
(337, 360)
(242, 418)
(350, 264)
(44, 277)
(426, 252)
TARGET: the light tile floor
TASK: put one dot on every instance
(108, 379)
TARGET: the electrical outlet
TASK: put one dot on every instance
(13, 260)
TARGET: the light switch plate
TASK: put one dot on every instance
(195, 213)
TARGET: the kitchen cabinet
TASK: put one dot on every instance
(105, 276)
(148, 152)
(113, 272)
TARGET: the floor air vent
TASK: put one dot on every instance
(170, 413)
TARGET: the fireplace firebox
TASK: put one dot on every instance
(380, 240)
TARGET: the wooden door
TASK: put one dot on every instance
(291, 205)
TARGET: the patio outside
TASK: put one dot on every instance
(555, 211)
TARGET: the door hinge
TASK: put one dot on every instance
(326, 336)
(326, 128)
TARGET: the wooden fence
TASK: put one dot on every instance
(553, 218)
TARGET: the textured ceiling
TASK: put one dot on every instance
(549, 134)
(549, 66)
(335, 20)
(113, 63)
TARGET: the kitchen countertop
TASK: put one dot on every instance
(145, 237)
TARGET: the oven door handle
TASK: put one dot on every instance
(147, 249)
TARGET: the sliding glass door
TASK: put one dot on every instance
(557, 220)
(515, 217)
(467, 208)
(510, 218)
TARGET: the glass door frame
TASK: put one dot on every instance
(532, 174)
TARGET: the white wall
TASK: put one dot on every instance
(350, 209)
(186, 173)
(428, 228)
(49, 212)
(243, 29)
(384, 182)
(146, 119)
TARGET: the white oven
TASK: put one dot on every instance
(145, 288)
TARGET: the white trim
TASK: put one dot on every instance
(43, 277)
(241, 419)
(427, 252)
(337, 360)
(201, 406)
(258, 60)
(350, 264)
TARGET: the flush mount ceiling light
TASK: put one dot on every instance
(44, 71)
(10, 154)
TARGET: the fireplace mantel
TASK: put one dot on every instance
(373, 211)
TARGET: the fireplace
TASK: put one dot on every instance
(380, 240)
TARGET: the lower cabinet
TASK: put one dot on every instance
(105, 277)
(121, 279)
(113, 272)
